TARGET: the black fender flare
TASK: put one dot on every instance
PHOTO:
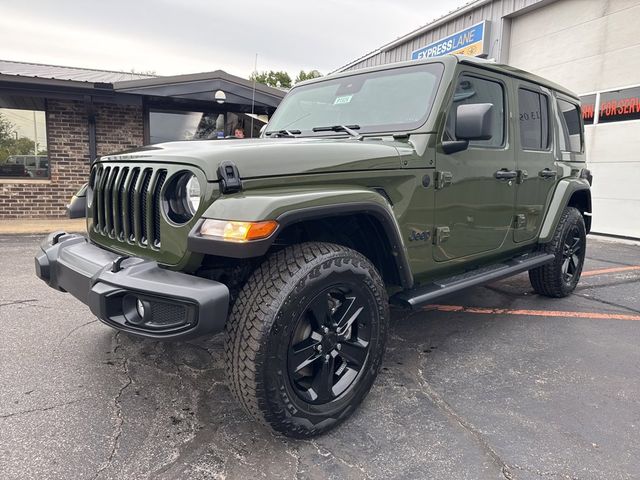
(381, 213)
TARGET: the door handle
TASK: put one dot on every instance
(547, 173)
(504, 174)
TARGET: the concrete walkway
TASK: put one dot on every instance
(29, 226)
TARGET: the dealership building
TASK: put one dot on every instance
(55, 120)
(590, 46)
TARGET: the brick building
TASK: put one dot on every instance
(55, 120)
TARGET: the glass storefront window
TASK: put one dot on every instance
(173, 125)
(167, 126)
(588, 108)
(620, 105)
(23, 142)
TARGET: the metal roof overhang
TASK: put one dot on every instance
(63, 89)
(198, 91)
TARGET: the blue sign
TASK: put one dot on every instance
(469, 41)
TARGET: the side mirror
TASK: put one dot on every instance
(473, 122)
(262, 130)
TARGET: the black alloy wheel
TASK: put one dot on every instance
(330, 345)
(561, 276)
(571, 255)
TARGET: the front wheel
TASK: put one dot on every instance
(560, 277)
(306, 337)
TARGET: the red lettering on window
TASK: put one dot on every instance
(588, 111)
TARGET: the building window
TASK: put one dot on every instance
(170, 125)
(620, 105)
(588, 108)
(534, 120)
(23, 139)
(571, 138)
(471, 90)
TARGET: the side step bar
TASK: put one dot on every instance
(431, 291)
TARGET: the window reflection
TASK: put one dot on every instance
(172, 125)
(167, 126)
(23, 142)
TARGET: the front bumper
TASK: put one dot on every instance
(130, 293)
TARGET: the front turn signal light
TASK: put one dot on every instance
(233, 231)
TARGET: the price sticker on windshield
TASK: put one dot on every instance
(343, 99)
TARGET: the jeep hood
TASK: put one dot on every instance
(267, 157)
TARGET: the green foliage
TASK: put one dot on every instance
(10, 145)
(151, 73)
(6, 128)
(282, 79)
(302, 76)
(279, 79)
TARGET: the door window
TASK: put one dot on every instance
(471, 90)
(534, 120)
(571, 138)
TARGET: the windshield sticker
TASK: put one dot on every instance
(343, 99)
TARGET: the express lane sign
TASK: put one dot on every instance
(470, 41)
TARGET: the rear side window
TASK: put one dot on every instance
(534, 119)
(570, 130)
(472, 90)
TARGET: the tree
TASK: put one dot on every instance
(151, 73)
(6, 128)
(10, 144)
(302, 76)
(279, 79)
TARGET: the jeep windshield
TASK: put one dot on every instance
(382, 101)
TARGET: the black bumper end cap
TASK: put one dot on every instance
(43, 267)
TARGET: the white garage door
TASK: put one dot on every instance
(592, 46)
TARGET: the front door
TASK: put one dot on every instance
(535, 158)
(475, 188)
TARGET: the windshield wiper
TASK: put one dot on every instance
(283, 133)
(350, 129)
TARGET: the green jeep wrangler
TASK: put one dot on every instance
(396, 184)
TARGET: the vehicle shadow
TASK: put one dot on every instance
(175, 399)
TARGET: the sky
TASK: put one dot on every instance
(171, 37)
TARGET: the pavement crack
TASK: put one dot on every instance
(439, 402)
(75, 329)
(606, 302)
(543, 474)
(319, 449)
(296, 457)
(612, 262)
(614, 283)
(42, 409)
(19, 302)
(115, 441)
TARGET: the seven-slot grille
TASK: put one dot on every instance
(126, 203)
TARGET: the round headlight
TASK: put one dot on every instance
(193, 194)
(182, 196)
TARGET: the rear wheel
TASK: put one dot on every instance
(560, 277)
(306, 336)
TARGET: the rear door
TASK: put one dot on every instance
(474, 209)
(535, 159)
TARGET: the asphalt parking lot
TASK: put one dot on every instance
(493, 383)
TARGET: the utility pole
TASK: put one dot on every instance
(253, 93)
(35, 133)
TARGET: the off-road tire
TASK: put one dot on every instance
(550, 280)
(264, 319)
